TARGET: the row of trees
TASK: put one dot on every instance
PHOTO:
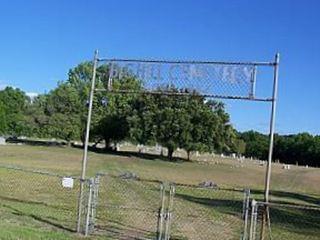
(188, 122)
(302, 148)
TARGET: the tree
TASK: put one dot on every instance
(187, 122)
(257, 144)
(112, 125)
(13, 104)
(63, 108)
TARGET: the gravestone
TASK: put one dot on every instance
(208, 184)
(2, 141)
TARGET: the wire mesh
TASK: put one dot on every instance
(127, 208)
(207, 213)
(40, 197)
(287, 221)
(211, 79)
(140, 209)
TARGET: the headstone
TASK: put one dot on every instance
(158, 148)
(2, 141)
(129, 175)
(208, 184)
(286, 167)
(117, 147)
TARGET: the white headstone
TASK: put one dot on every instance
(2, 141)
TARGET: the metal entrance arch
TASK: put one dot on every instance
(211, 79)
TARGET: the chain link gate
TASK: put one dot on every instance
(125, 207)
(203, 213)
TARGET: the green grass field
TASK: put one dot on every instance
(29, 209)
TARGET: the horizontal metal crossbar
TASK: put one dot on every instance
(183, 94)
(271, 64)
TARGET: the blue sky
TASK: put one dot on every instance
(42, 40)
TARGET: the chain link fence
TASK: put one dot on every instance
(131, 208)
(207, 213)
(274, 221)
(49, 199)
(126, 207)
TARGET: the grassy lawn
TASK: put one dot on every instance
(30, 207)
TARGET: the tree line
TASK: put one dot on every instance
(301, 149)
(190, 122)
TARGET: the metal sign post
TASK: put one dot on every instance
(272, 126)
(271, 140)
(86, 143)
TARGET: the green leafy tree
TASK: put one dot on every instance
(13, 105)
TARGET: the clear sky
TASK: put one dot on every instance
(41, 40)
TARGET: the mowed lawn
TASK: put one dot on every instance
(18, 206)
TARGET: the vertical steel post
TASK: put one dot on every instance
(253, 83)
(271, 139)
(86, 143)
(272, 126)
(253, 219)
(246, 203)
(89, 207)
(161, 211)
(169, 212)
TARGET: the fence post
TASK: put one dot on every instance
(246, 202)
(169, 212)
(94, 204)
(161, 212)
(86, 231)
(253, 220)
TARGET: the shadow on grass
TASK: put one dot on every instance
(9, 199)
(299, 221)
(290, 195)
(38, 218)
(146, 156)
(225, 206)
(119, 230)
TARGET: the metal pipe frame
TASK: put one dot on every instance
(184, 94)
(272, 126)
(246, 203)
(86, 143)
(274, 64)
(185, 62)
(89, 207)
(161, 211)
(271, 143)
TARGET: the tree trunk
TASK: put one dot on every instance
(170, 153)
(107, 143)
(188, 155)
